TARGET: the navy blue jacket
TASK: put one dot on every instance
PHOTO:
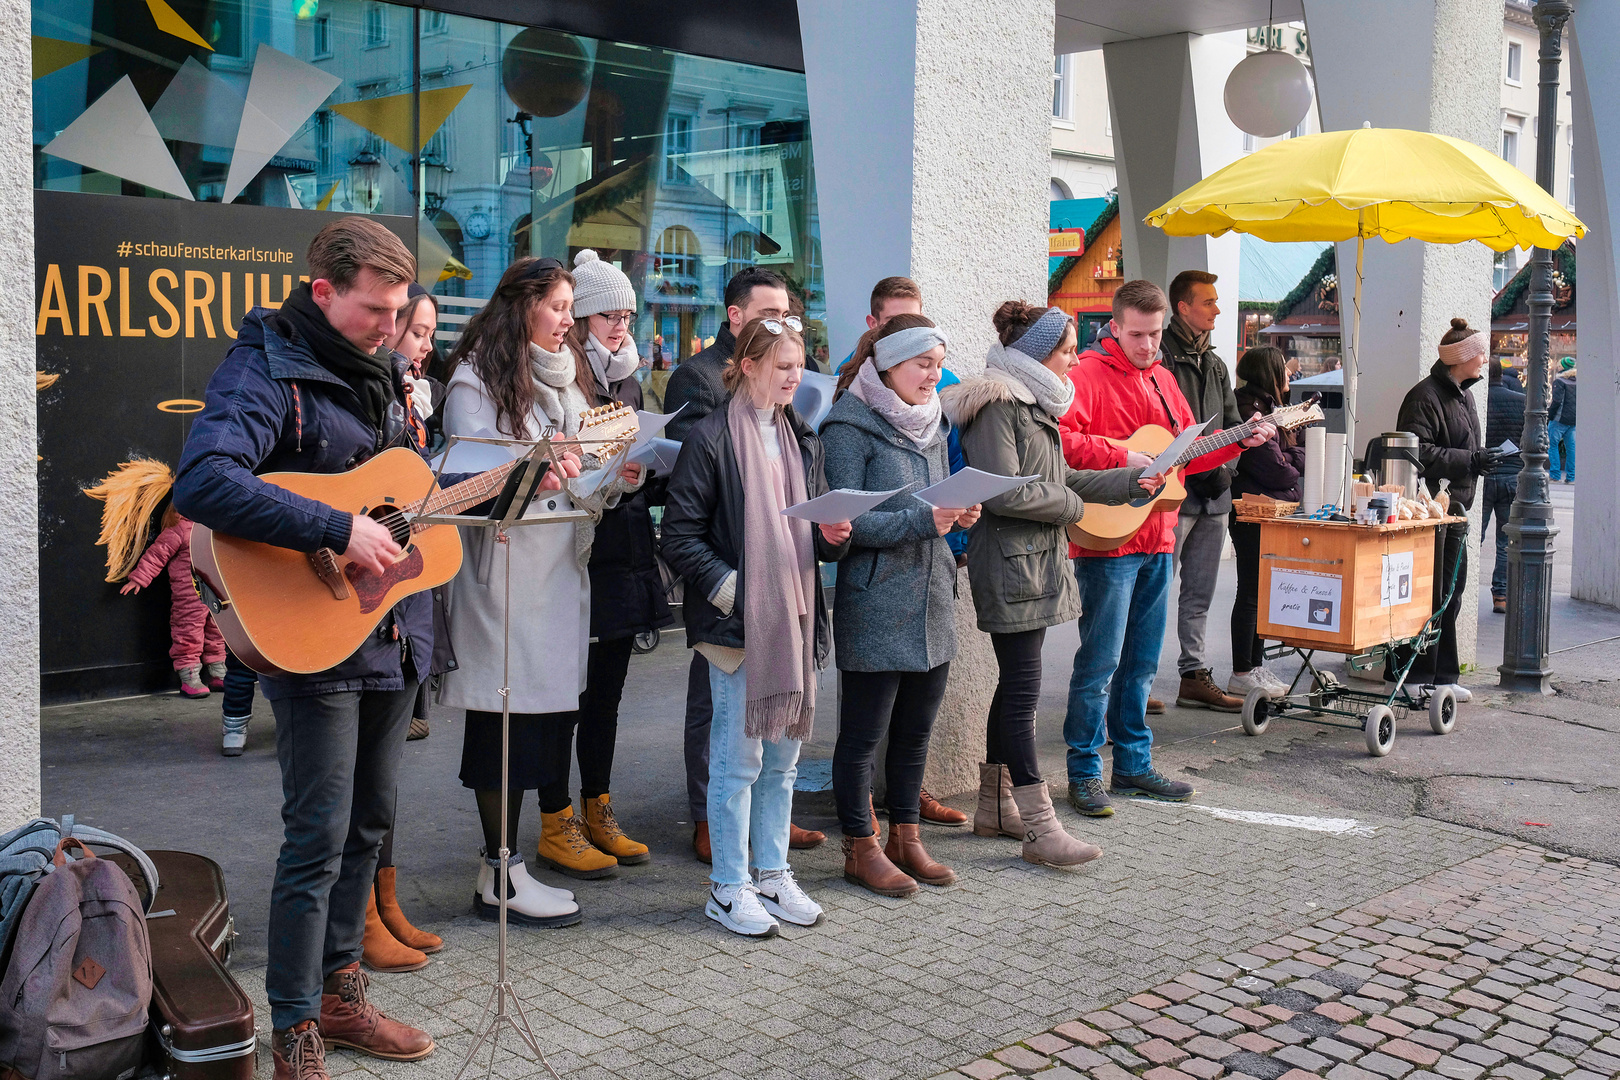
(1504, 421)
(272, 407)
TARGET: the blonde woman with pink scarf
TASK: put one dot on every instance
(754, 610)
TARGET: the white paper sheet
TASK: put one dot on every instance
(840, 504)
(656, 454)
(1507, 447)
(813, 400)
(1166, 460)
(1396, 579)
(969, 488)
(1306, 599)
(650, 424)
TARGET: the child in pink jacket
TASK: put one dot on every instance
(195, 639)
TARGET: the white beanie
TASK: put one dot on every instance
(600, 286)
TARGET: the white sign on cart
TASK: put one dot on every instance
(1306, 599)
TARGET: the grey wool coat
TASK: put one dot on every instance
(895, 609)
(1018, 553)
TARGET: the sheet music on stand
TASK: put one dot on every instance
(510, 511)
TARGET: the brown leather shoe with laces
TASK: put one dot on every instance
(935, 812)
(348, 1019)
(298, 1053)
(1198, 691)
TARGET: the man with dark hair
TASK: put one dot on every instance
(310, 388)
(1120, 387)
(752, 293)
(1201, 527)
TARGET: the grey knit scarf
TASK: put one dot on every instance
(1052, 393)
(919, 423)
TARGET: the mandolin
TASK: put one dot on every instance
(291, 612)
(1104, 528)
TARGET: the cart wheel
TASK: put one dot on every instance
(1442, 710)
(1257, 711)
(1380, 730)
(645, 643)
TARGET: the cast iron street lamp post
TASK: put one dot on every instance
(1530, 528)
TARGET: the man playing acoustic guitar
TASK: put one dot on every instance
(1120, 386)
(309, 388)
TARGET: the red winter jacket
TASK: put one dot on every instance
(1112, 399)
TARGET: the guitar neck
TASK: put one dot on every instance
(480, 488)
(1207, 444)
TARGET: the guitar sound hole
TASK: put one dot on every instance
(394, 521)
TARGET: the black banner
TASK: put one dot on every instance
(137, 302)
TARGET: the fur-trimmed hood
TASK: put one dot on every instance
(964, 401)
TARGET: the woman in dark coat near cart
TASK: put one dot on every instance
(1441, 412)
(1272, 469)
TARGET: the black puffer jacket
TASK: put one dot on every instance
(1275, 466)
(1504, 421)
(1443, 417)
(703, 528)
(627, 593)
(1562, 409)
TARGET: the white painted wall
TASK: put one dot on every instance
(19, 541)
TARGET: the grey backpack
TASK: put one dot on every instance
(74, 998)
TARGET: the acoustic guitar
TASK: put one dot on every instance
(1104, 528)
(291, 612)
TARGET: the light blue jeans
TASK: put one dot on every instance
(1565, 462)
(1122, 616)
(750, 786)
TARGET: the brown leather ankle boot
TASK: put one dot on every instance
(394, 918)
(348, 1019)
(298, 1053)
(382, 951)
(866, 865)
(905, 849)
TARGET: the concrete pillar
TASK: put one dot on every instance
(1440, 74)
(1595, 93)
(19, 535)
(932, 135)
(1170, 131)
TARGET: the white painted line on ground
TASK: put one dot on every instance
(1333, 826)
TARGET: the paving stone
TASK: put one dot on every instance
(1249, 1018)
(1333, 1048)
(1111, 1072)
(1298, 1074)
(1479, 1018)
(1479, 1055)
(1218, 1026)
(1237, 996)
(1458, 1069)
(1123, 1056)
(1160, 1051)
(1165, 1073)
(1166, 1028)
(1436, 1039)
(1081, 1033)
(1259, 1066)
(1563, 1044)
(1290, 999)
(1202, 1068)
(1388, 1026)
(1255, 1043)
(1185, 1012)
(1148, 1001)
(1317, 988)
(1361, 1036)
(1286, 1034)
(1412, 1017)
(1384, 1065)
(1108, 1021)
(1276, 1011)
(1596, 1059)
(1022, 1058)
(983, 1069)
(1475, 1001)
(1214, 1049)
(1497, 989)
(1302, 1058)
(1130, 1036)
(1059, 1073)
(1510, 1047)
(1571, 1029)
(1082, 1057)
(1522, 1033)
(1202, 983)
(1047, 1043)
(1550, 1063)
(1515, 1071)
(1134, 1013)
(1313, 1023)
(1176, 991)
(1531, 1017)
(1407, 1050)
(1606, 979)
(1337, 1011)
(1373, 1006)
(1350, 1072)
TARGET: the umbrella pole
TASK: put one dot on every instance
(1352, 373)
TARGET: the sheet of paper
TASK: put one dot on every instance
(840, 504)
(1178, 445)
(656, 454)
(969, 488)
(1396, 580)
(1305, 598)
(1507, 447)
(651, 424)
(472, 457)
(813, 400)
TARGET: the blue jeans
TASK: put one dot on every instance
(750, 786)
(1564, 463)
(1122, 620)
(1498, 499)
(239, 683)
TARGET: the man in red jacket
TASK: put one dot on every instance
(1120, 387)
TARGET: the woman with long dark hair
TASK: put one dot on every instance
(515, 378)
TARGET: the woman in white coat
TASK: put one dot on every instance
(513, 377)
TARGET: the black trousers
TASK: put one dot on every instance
(1009, 732)
(597, 721)
(1439, 664)
(699, 716)
(1248, 651)
(902, 703)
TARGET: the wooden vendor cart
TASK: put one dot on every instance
(1366, 591)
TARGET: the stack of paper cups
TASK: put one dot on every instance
(1315, 466)
(1333, 474)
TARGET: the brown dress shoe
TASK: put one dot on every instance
(1155, 707)
(866, 865)
(348, 1019)
(804, 839)
(384, 952)
(700, 843)
(906, 851)
(394, 918)
(937, 813)
(298, 1053)
(1198, 691)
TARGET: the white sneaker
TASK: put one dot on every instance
(1278, 683)
(737, 908)
(1462, 692)
(233, 735)
(528, 903)
(783, 898)
(1243, 683)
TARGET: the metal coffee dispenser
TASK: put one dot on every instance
(1396, 455)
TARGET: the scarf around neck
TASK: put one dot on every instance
(1052, 393)
(556, 391)
(370, 376)
(779, 599)
(919, 423)
(1194, 342)
(611, 367)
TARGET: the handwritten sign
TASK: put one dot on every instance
(1397, 580)
(1306, 599)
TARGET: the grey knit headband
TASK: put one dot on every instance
(1043, 336)
(902, 345)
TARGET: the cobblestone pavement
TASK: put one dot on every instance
(1503, 966)
(648, 987)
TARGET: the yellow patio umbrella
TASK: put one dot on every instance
(1371, 182)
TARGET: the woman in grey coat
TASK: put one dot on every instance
(1018, 555)
(894, 616)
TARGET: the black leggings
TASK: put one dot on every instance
(1009, 732)
(598, 723)
(903, 703)
(1248, 651)
(1439, 665)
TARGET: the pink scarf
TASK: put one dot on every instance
(779, 599)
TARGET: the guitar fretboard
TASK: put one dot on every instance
(1208, 444)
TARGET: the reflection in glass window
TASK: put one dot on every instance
(376, 25)
(677, 144)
